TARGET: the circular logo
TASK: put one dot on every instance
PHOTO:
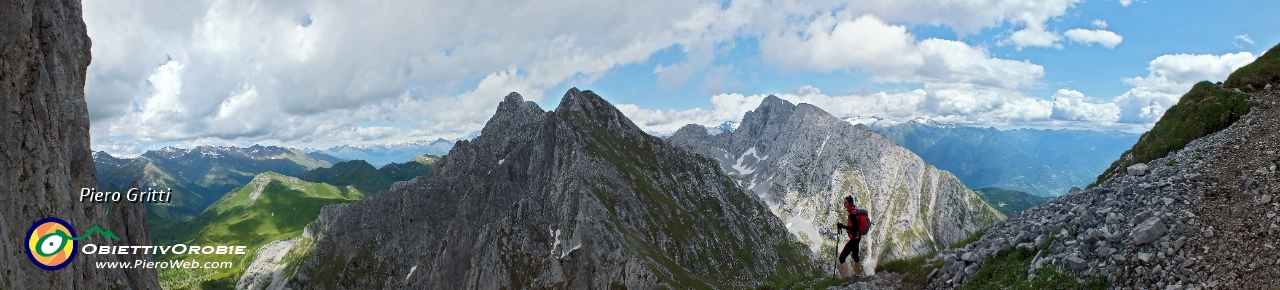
(49, 243)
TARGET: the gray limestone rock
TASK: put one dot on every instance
(44, 141)
(1249, 181)
(801, 160)
(582, 200)
(1077, 263)
(1147, 231)
(1144, 257)
(1139, 169)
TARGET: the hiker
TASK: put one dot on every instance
(857, 227)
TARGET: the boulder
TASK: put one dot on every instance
(1139, 169)
(1144, 257)
(1147, 231)
(1077, 263)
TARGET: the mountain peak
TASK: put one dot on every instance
(514, 102)
(581, 101)
(691, 130)
(771, 109)
(101, 154)
(774, 101)
(441, 141)
(594, 111)
(513, 112)
(571, 183)
(927, 122)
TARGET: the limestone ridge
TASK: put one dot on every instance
(802, 160)
(44, 151)
(575, 198)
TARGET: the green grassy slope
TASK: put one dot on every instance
(363, 176)
(282, 208)
(1205, 109)
(1009, 202)
(199, 176)
(1265, 70)
(357, 173)
(419, 166)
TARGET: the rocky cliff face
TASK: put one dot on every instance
(802, 161)
(1204, 216)
(576, 198)
(44, 151)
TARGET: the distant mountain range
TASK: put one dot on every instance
(366, 178)
(268, 215)
(201, 175)
(383, 154)
(1041, 162)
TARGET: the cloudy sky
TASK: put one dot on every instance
(316, 74)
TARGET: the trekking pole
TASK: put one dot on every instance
(839, 268)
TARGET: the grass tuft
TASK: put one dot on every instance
(972, 238)
(1007, 269)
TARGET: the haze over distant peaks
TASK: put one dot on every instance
(383, 154)
(1040, 162)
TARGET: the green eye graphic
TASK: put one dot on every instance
(52, 243)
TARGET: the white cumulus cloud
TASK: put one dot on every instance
(890, 53)
(1034, 35)
(321, 73)
(1169, 77)
(828, 44)
(1091, 36)
(1070, 105)
(292, 72)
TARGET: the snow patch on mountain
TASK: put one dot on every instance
(747, 162)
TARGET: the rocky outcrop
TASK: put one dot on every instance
(267, 269)
(802, 161)
(44, 151)
(576, 198)
(1200, 217)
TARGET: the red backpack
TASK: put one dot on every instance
(863, 223)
